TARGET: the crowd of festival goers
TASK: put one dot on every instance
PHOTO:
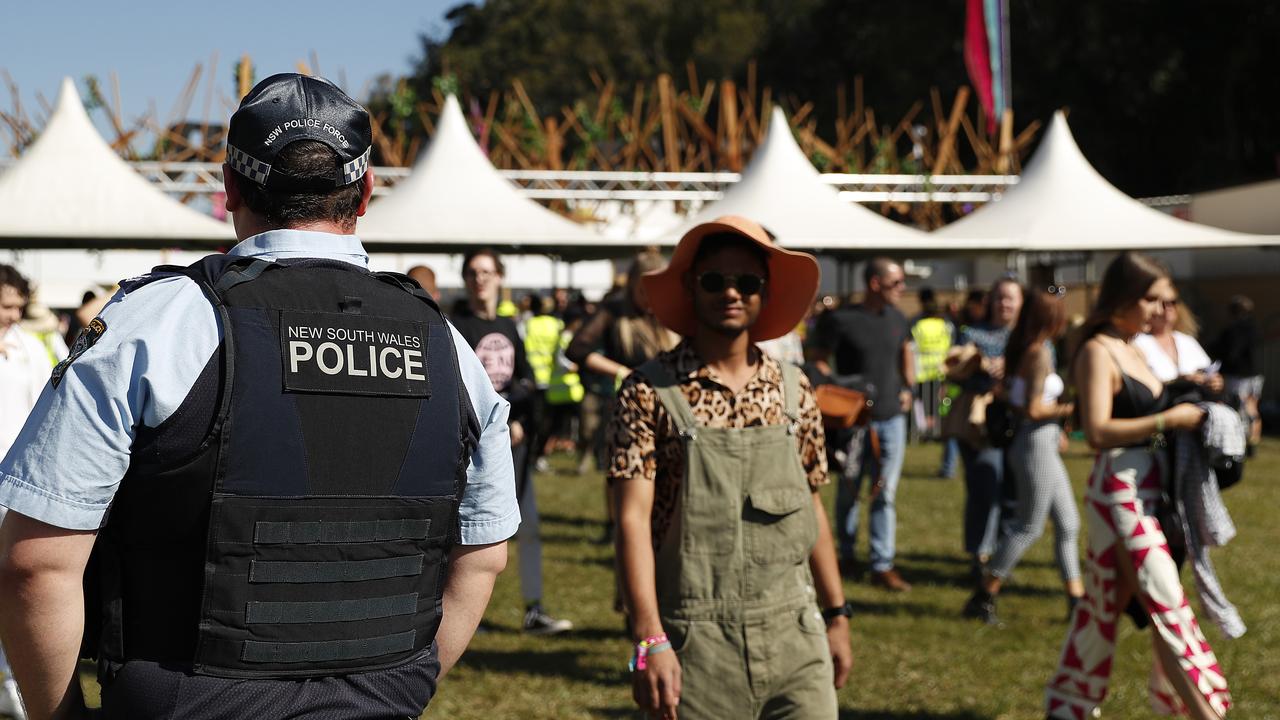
(1000, 377)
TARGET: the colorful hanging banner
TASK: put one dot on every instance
(986, 56)
(977, 55)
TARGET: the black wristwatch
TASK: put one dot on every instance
(830, 614)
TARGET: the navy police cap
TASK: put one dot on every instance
(288, 107)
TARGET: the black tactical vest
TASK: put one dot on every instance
(293, 517)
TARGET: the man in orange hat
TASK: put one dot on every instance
(716, 455)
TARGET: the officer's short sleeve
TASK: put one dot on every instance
(71, 454)
(489, 512)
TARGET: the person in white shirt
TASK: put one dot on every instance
(1171, 349)
(24, 371)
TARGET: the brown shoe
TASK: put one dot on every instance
(890, 580)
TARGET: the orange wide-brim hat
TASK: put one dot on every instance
(789, 292)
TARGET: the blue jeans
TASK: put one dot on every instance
(883, 519)
(983, 483)
(950, 450)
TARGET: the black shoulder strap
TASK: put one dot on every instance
(240, 272)
(409, 285)
(210, 273)
(1115, 360)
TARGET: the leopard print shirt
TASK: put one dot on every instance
(644, 443)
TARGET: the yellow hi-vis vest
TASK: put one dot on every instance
(541, 341)
(932, 337)
(566, 387)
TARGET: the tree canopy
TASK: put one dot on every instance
(1165, 96)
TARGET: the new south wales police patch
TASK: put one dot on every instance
(85, 340)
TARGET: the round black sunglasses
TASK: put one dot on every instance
(715, 282)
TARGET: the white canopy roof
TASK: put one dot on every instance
(454, 197)
(782, 191)
(638, 222)
(1245, 208)
(1062, 203)
(70, 189)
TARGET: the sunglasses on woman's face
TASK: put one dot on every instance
(715, 282)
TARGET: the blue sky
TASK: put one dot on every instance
(153, 46)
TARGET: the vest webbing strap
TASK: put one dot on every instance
(339, 571)
(326, 650)
(241, 273)
(331, 611)
(316, 533)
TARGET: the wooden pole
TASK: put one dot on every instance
(669, 147)
(246, 75)
(729, 114)
(1006, 141)
(947, 143)
(554, 145)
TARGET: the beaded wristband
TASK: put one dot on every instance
(646, 647)
(642, 660)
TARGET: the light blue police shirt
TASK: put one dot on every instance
(68, 460)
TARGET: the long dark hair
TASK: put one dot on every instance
(1043, 315)
(1125, 281)
(645, 261)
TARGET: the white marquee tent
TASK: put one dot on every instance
(1061, 203)
(454, 198)
(70, 189)
(781, 190)
(1245, 208)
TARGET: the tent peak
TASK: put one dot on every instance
(70, 188)
(455, 196)
(782, 190)
(68, 95)
(1062, 202)
(778, 116)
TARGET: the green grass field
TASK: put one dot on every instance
(915, 657)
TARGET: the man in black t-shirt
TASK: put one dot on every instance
(872, 340)
(501, 350)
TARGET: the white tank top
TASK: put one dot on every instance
(1053, 389)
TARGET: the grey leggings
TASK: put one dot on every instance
(1043, 490)
(529, 536)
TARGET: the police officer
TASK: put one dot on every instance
(283, 440)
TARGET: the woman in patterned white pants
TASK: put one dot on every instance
(1124, 416)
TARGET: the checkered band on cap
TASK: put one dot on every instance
(355, 169)
(247, 165)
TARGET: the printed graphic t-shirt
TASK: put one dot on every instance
(501, 351)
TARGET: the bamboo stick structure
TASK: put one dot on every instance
(660, 125)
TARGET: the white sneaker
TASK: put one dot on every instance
(11, 701)
(538, 622)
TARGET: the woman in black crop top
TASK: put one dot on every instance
(1124, 414)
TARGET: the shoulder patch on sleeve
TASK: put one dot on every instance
(85, 340)
(128, 285)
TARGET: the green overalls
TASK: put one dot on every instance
(733, 583)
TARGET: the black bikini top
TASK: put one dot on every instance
(1134, 399)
